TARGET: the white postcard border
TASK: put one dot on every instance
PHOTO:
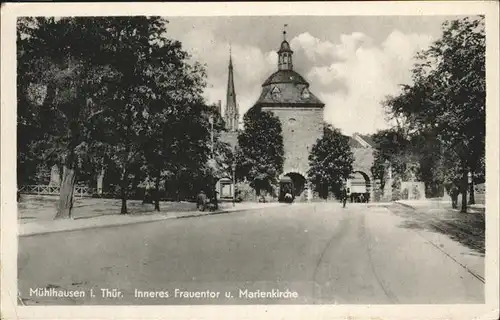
(8, 161)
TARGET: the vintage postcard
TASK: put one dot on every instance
(250, 160)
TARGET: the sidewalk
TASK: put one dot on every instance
(109, 220)
(461, 236)
(436, 204)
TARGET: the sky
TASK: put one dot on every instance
(351, 63)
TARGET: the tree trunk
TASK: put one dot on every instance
(464, 192)
(100, 180)
(157, 193)
(66, 193)
(124, 192)
(454, 200)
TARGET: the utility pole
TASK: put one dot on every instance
(470, 179)
(211, 120)
(234, 182)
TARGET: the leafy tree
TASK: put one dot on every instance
(72, 86)
(330, 162)
(391, 150)
(109, 95)
(161, 122)
(260, 155)
(429, 152)
(447, 97)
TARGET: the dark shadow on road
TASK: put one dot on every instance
(465, 228)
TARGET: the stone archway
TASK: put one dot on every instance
(297, 181)
(360, 187)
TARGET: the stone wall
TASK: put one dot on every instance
(301, 129)
(363, 160)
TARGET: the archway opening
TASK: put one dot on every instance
(359, 185)
(293, 183)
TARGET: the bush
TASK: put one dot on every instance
(396, 190)
(245, 192)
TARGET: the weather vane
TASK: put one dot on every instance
(284, 31)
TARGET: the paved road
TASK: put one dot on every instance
(320, 253)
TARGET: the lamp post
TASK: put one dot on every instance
(234, 182)
(472, 200)
(211, 120)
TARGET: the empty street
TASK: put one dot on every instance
(318, 253)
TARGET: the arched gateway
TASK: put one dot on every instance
(287, 95)
(360, 187)
(294, 182)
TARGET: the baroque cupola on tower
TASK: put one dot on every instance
(285, 86)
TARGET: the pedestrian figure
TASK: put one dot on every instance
(201, 201)
(216, 202)
(288, 197)
(344, 197)
(454, 192)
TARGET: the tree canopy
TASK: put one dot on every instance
(113, 92)
(444, 107)
(330, 162)
(260, 154)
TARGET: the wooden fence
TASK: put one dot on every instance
(80, 191)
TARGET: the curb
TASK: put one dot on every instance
(213, 213)
(94, 227)
(405, 205)
(136, 222)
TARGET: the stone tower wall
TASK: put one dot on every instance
(299, 135)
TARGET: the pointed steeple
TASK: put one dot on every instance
(230, 58)
(231, 115)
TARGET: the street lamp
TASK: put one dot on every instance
(211, 121)
(234, 182)
(472, 200)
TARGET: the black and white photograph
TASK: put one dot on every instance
(235, 159)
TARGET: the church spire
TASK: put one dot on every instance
(231, 115)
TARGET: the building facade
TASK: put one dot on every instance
(287, 94)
